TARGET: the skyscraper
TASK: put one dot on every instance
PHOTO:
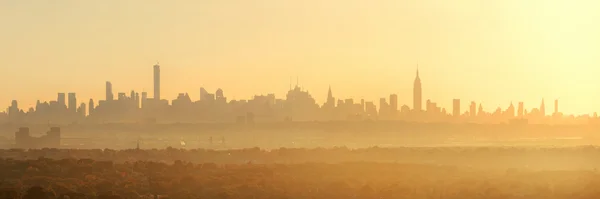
(220, 97)
(543, 108)
(510, 111)
(383, 108)
(144, 98)
(521, 110)
(394, 103)
(81, 110)
(456, 107)
(330, 99)
(473, 109)
(417, 106)
(14, 105)
(91, 107)
(555, 106)
(121, 96)
(203, 94)
(109, 93)
(13, 111)
(219, 93)
(157, 82)
(362, 105)
(62, 99)
(137, 100)
(72, 102)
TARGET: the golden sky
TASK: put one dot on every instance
(492, 52)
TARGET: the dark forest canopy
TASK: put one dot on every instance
(583, 157)
(86, 178)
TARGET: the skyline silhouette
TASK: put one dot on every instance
(331, 99)
(468, 49)
(298, 105)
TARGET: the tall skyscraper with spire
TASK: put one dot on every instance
(330, 103)
(417, 95)
(543, 108)
(330, 98)
(157, 82)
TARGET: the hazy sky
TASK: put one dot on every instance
(487, 51)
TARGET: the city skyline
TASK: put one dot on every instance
(388, 99)
(417, 99)
(297, 105)
(364, 50)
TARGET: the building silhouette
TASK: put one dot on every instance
(137, 100)
(330, 103)
(543, 109)
(109, 92)
(157, 82)
(62, 100)
(81, 111)
(456, 107)
(91, 107)
(14, 113)
(297, 105)
(428, 106)
(144, 99)
(555, 106)
(25, 141)
(521, 110)
(510, 111)
(72, 102)
(383, 108)
(393, 104)
(417, 95)
(220, 97)
(473, 109)
(205, 96)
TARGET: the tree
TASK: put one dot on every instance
(108, 195)
(36, 192)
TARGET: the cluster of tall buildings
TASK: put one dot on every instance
(298, 105)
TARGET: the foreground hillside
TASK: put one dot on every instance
(85, 178)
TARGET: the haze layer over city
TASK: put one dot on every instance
(488, 52)
(300, 99)
(408, 61)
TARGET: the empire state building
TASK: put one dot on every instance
(417, 99)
